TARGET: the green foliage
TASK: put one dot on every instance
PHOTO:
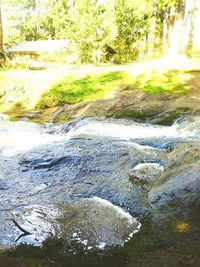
(16, 111)
(4, 57)
(171, 118)
(134, 29)
(56, 22)
(137, 114)
(88, 88)
(90, 32)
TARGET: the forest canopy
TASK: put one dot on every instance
(129, 30)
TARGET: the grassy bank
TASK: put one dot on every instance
(93, 87)
(88, 88)
(22, 91)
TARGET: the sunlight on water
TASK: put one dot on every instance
(127, 130)
(142, 166)
(99, 213)
(120, 211)
(16, 137)
(124, 131)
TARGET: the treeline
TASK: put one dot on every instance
(97, 30)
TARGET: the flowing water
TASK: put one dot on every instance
(93, 180)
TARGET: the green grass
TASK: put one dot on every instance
(93, 87)
(16, 111)
(169, 82)
(16, 99)
(139, 114)
(88, 88)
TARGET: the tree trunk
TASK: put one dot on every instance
(187, 31)
(183, 28)
(196, 25)
(1, 32)
(176, 30)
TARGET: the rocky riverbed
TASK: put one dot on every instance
(95, 180)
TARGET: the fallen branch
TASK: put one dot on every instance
(49, 259)
(20, 227)
(19, 237)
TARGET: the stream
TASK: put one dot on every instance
(93, 180)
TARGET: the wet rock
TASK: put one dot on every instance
(33, 114)
(180, 160)
(145, 173)
(65, 128)
(89, 168)
(3, 185)
(93, 220)
(185, 153)
(99, 158)
(183, 188)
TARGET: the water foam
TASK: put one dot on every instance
(141, 166)
(21, 136)
(123, 131)
(122, 213)
(126, 130)
(16, 137)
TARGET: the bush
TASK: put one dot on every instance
(4, 57)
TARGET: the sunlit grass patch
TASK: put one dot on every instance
(169, 82)
(96, 86)
(37, 90)
(88, 88)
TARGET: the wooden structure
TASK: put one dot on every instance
(35, 48)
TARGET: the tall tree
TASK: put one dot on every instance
(134, 29)
(133, 25)
(89, 30)
(56, 20)
(1, 31)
